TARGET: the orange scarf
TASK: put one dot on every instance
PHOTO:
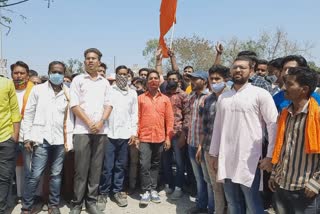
(312, 131)
(26, 96)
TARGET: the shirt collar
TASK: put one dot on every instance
(304, 109)
(158, 94)
(86, 75)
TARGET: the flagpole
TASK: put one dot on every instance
(172, 32)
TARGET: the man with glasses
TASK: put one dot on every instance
(237, 138)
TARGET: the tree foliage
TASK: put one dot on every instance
(74, 66)
(199, 52)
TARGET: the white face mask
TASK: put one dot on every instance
(218, 87)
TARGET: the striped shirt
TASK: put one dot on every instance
(195, 133)
(296, 169)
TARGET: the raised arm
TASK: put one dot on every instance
(219, 50)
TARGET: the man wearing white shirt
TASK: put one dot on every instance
(122, 131)
(89, 101)
(237, 137)
(44, 135)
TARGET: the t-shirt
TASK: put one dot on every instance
(20, 94)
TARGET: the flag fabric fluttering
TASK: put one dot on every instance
(167, 19)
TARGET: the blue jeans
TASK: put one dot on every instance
(180, 163)
(241, 198)
(205, 196)
(41, 154)
(115, 161)
(295, 202)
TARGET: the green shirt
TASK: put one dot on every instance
(9, 108)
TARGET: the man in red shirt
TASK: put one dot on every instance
(154, 132)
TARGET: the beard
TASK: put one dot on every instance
(240, 81)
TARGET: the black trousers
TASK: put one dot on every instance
(7, 167)
(149, 156)
(88, 160)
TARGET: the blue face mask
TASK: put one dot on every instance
(229, 83)
(56, 78)
(218, 87)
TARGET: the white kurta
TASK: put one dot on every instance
(238, 132)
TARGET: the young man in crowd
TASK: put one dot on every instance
(20, 78)
(143, 73)
(295, 176)
(218, 76)
(44, 135)
(154, 133)
(274, 69)
(289, 62)
(10, 118)
(122, 131)
(205, 198)
(237, 139)
(180, 105)
(89, 101)
(262, 68)
(102, 69)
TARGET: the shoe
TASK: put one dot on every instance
(145, 198)
(176, 195)
(54, 210)
(121, 199)
(196, 210)
(93, 209)
(75, 210)
(102, 202)
(45, 207)
(155, 197)
(167, 189)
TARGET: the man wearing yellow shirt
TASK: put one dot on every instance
(9, 134)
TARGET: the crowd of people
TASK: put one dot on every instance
(246, 137)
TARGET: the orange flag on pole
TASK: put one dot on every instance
(167, 19)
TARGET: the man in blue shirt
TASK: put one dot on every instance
(289, 62)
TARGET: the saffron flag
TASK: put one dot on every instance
(167, 18)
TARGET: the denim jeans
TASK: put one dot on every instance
(149, 156)
(241, 198)
(167, 158)
(43, 153)
(115, 161)
(205, 197)
(7, 166)
(295, 202)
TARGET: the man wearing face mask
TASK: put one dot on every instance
(122, 130)
(155, 132)
(218, 76)
(44, 135)
(180, 105)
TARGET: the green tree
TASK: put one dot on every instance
(74, 66)
(314, 66)
(149, 52)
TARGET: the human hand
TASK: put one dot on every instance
(219, 48)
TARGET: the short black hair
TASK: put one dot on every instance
(121, 67)
(305, 77)
(277, 63)
(143, 69)
(246, 58)
(103, 65)
(93, 50)
(151, 70)
(302, 62)
(57, 63)
(33, 73)
(251, 54)
(21, 64)
(221, 70)
(188, 66)
(170, 73)
(262, 62)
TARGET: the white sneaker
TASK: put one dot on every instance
(176, 195)
(145, 198)
(155, 197)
